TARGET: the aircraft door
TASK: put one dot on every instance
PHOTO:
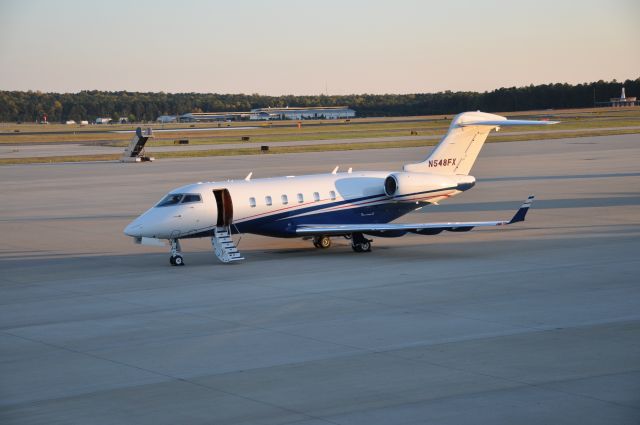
(225, 207)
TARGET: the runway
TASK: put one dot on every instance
(536, 323)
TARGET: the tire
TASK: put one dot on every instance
(178, 260)
(356, 247)
(172, 261)
(324, 242)
(365, 246)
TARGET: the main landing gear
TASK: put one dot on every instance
(323, 242)
(176, 256)
(359, 243)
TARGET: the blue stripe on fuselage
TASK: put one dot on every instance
(283, 224)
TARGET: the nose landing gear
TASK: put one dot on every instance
(176, 256)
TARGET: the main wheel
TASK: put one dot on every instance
(365, 246)
(324, 242)
(176, 260)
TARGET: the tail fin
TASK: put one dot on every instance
(457, 151)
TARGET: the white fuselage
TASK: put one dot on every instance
(275, 206)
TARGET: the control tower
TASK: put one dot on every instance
(623, 100)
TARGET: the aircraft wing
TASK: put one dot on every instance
(401, 228)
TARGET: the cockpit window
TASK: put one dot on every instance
(170, 199)
(190, 197)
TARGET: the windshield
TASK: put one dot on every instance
(191, 197)
(170, 199)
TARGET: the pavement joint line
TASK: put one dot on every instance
(522, 382)
(166, 375)
(390, 350)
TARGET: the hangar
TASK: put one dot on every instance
(316, 112)
(213, 116)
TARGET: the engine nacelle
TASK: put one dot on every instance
(410, 185)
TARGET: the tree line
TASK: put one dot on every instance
(29, 106)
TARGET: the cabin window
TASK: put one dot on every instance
(191, 197)
(285, 199)
(316, 196)
(170, 199)
(300, 198)
(332, 195)
(268, 201)
(252, 202)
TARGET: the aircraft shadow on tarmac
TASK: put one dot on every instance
(436, 248)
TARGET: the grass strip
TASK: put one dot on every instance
(313, 148)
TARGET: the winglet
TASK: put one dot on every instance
(519, 216)
(249, 176)
(335, 170)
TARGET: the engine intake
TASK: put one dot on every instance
(390, 185)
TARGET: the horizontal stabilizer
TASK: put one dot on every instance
(506, 123)
(457, 151)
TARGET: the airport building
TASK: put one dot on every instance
(213, 116)
(318, 112)
(164, 119)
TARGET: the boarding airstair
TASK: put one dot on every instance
(223, 245)
(135, 151)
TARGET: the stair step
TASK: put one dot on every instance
(224, 246)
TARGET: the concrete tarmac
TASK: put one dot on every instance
(535, 323)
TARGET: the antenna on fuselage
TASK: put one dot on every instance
(248, 176)
(335, 170)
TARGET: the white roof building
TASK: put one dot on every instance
(293, 113)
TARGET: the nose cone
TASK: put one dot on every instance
(155, 223)
(134, 229)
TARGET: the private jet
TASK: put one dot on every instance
(354, 205)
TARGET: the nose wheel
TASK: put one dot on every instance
(176, 257)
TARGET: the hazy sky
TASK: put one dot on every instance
(306, 47)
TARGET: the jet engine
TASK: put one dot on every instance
(404, 184)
